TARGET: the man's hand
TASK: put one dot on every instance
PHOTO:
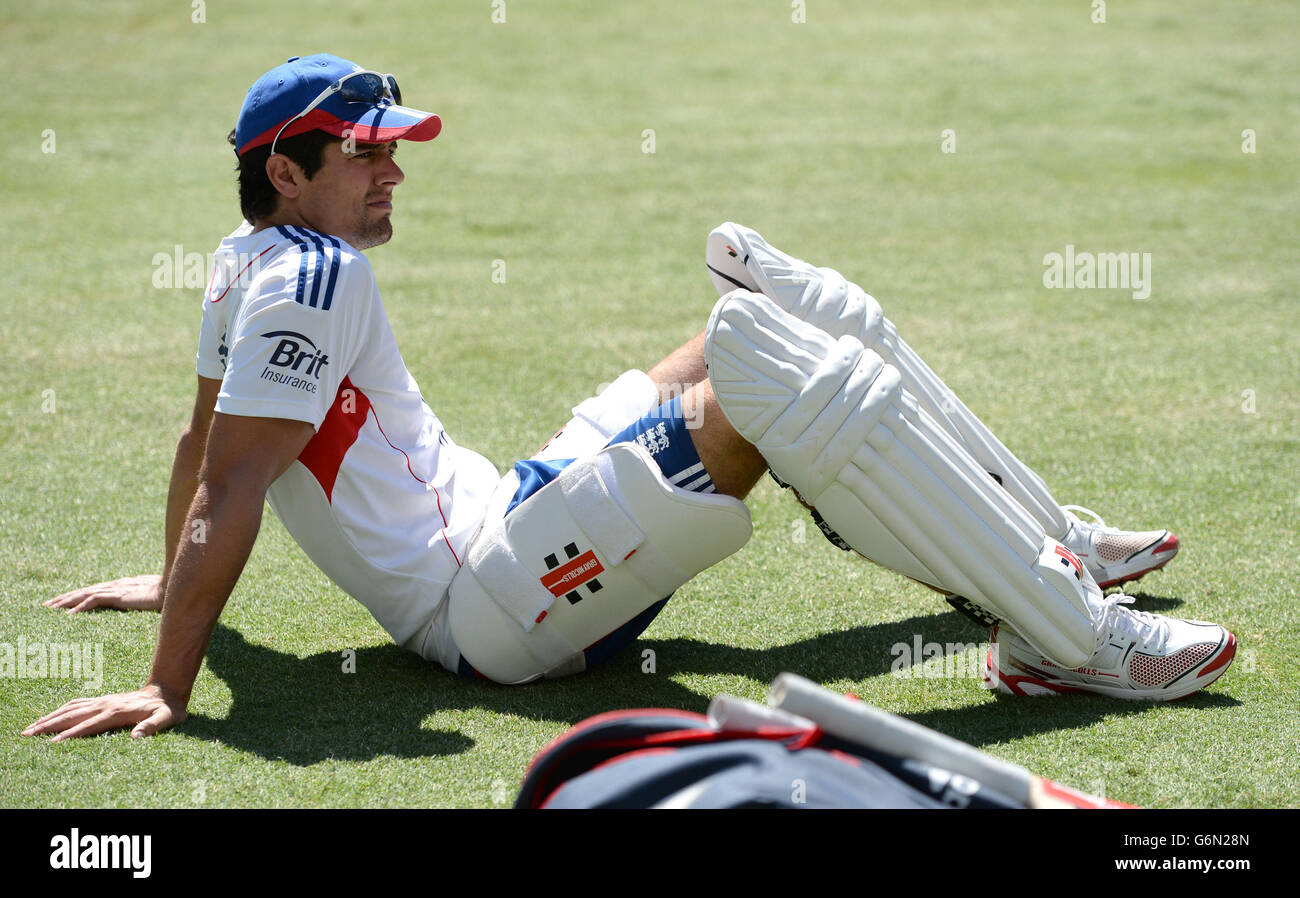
(142, 593)
(146, 711)
(243, 458)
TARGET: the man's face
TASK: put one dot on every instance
(351, 195)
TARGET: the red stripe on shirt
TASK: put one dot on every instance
(323, 454)
(426, 483)
(236, 278)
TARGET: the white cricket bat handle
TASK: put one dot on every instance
(858, 722)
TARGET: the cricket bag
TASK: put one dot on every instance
(809, 748)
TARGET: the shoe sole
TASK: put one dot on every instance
(1137, 575)
(1026, 685)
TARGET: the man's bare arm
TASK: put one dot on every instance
(244, 456)
(145, 593)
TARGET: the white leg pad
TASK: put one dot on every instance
(833, 420)
(948, 410)
(579, 558)
(824, 298)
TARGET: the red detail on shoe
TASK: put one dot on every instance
(1225, 657)
(852, 696)
(1012, 681)
(540, 617)
(997, 678)
(1169, 545)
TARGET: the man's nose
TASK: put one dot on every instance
(390, 172)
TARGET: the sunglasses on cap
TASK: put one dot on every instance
(358, 87)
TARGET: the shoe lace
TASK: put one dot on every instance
(1073, 511)
(1146, 629)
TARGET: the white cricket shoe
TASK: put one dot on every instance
(1115, 556)
(1139, 656)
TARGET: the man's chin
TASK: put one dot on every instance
(373, 233)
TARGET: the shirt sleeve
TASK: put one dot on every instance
(211, 361)
(289, 349)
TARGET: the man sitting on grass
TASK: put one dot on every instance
(304, 401)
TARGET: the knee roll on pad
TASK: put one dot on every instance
(832, 419)
(579, 558)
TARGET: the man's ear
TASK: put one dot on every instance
(285, 175)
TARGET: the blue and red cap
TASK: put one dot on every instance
(286, 90)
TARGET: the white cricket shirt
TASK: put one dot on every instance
(381, 499)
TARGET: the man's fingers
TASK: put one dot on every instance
(100, 722)
(111, 593)
(86, 604)
(158, 720)
(69, 713)
(68, 598)
(80, 600)
(67, 706)
(144, 712)
(66, 716)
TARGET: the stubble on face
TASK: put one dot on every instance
(364, 227)
(372, 232)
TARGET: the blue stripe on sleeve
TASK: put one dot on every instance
(302, 267)
(334, 272)
(319, 270)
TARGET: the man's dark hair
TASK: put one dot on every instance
(257, 197)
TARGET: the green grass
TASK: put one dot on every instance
(826, 137)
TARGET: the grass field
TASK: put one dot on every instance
(1180, 410)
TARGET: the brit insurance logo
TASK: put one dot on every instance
(295, 362)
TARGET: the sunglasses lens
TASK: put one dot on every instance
(397, 91)
(363, 88)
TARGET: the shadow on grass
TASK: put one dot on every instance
(1144, 601)
(308, 710)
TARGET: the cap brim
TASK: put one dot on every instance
(377, 124)
(382, 124)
